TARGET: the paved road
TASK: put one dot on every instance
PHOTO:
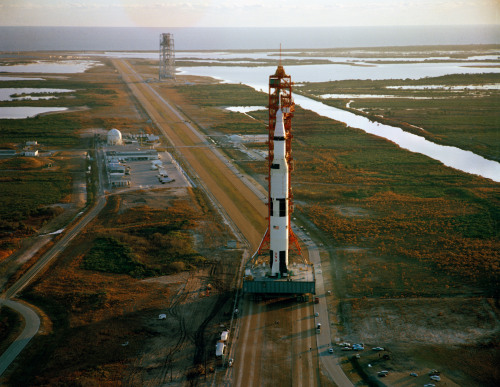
(56, 249)
(244, 205)
(235, 198)
(329, 362)
(32, 321)
(32, 324)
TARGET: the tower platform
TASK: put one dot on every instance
(300, 280)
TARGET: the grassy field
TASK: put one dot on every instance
(413, 246)
(362, 190)
(143, 241)
(98, 98)
(398, 225)
(467, 118)
(29, 192)
(29, 186)
(104, 313)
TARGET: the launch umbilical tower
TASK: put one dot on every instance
(167, 57)
(279, 233)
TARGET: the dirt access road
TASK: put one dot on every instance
(275, 340)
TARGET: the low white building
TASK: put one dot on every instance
(220, 348)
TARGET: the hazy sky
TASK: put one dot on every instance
(247, 13)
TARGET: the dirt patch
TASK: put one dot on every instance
(412, 331)
(352, 211)
(106, 327)
(439, 321)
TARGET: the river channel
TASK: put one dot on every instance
(453, 157)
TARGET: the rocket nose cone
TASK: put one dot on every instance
(279, 129)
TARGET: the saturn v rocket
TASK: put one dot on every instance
(279, 233)
(278, 200)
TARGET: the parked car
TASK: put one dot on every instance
(378, 349)
(436, 378)
(330, 350)
(414, 374)
(382, 374)
(316, 314)
(230, 363)
(429, 385)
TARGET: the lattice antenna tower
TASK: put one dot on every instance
(167, 57)
(280, 94)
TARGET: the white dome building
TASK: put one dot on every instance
(114, 137)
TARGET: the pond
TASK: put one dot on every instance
(56, 67)
(257, 77)
(7, 94)
(19, 112)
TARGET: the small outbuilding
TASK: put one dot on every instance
(220, 348)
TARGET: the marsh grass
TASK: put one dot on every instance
(468, 119)
(420, 214)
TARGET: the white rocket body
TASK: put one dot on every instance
(279, 201)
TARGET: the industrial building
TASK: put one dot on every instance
(132, 155)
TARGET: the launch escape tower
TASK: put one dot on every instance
(274, 275)
(167, 57)
(280, 164)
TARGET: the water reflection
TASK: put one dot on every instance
(7, 94)
(257, 77)
(450, 156)
(19, 112)
(61, 67)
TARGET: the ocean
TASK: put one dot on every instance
(126, 39)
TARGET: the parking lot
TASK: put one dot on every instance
(164, 172)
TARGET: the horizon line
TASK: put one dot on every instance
(270, 27)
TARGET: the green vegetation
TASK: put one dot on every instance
(143, 241)
(400, 211)
(223, 95)
(468, 118)
(24, 195)
(215, 97)
(111, 256)
(52, 129)
(27, 199)
(250, 62)
(385, 210)
(64, 129)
